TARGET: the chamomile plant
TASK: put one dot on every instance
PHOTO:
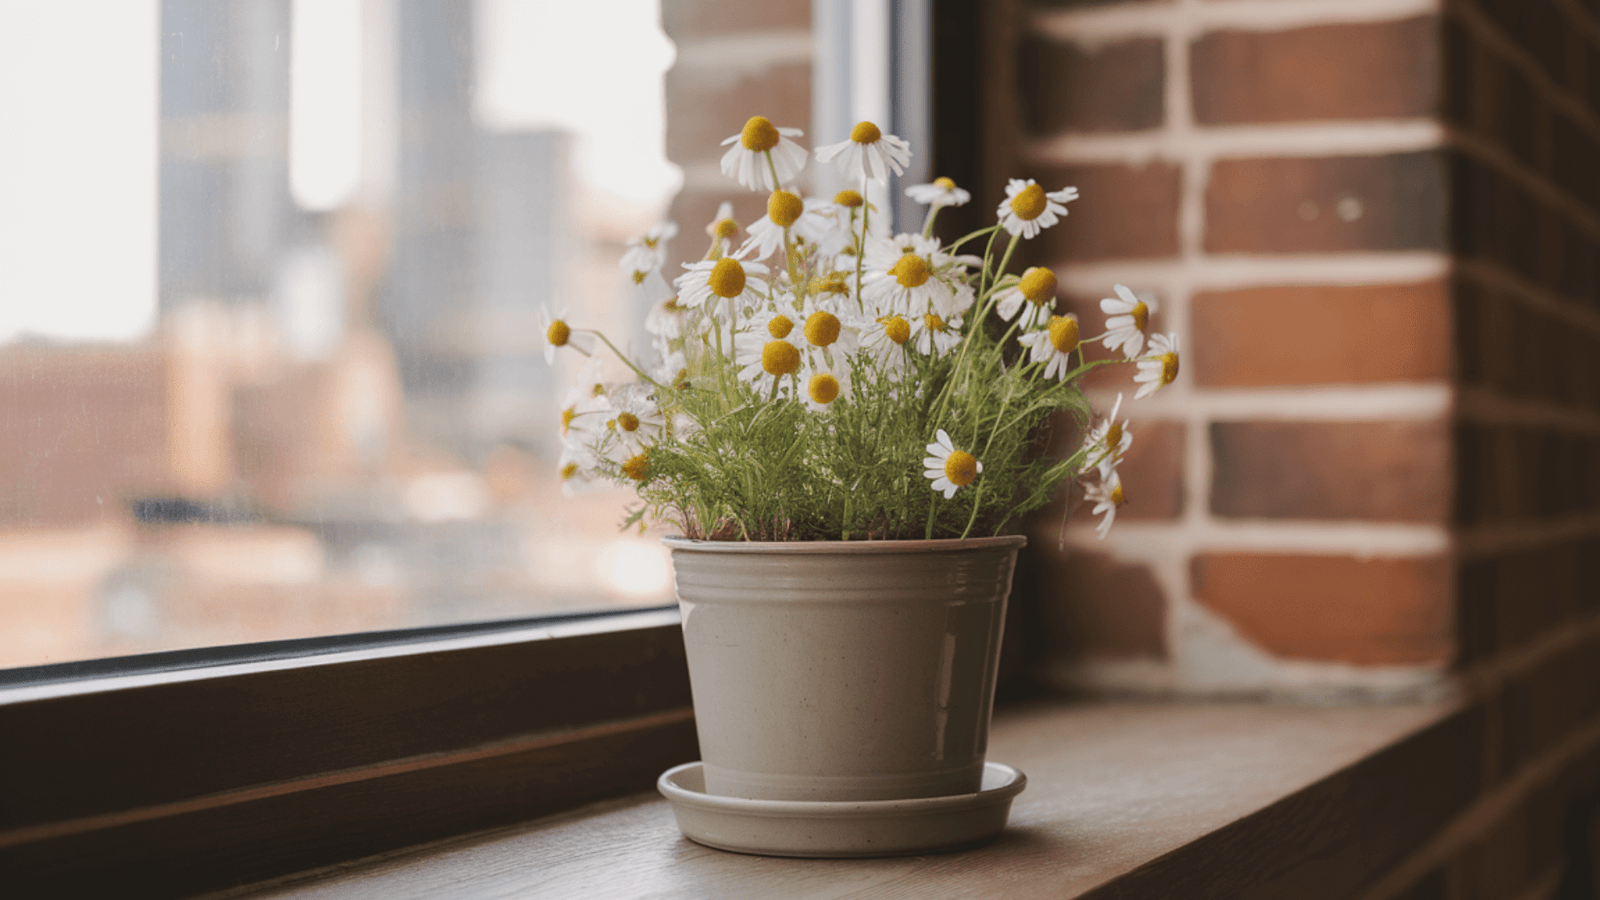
(826, 378)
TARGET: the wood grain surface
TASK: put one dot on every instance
(1123, 800)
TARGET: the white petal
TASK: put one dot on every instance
(1127, 296)
(944, 441)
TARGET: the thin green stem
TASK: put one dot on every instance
(622, 356)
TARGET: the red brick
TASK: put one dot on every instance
(1343, 71)
(1110, 87)
(1091, 605)
(1323, 334)
(1293, 205)
(1333, 608)
(682, 19)
(1373, 471)
(1124, 212)
(708, 105)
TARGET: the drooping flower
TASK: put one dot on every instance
(1028, 209)
(1107, 442)
(1037, 287)
(1160, 367)
(868, 154)
(1053, 345)
(948, 468)
(747, 161)
(1107, 496)
(885, 340)
(1129, 314)
(829, 335)
(827, 383)
(939, 192)
(934, 334)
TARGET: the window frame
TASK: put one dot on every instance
(361, 748)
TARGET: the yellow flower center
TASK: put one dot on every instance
(727, 278)
(1169, 367)
(851, 199)
(1117, 496)
(725, 228)
(779, 327)
(934, 323)
(780, 358)
(671, 305)
(823, 388)
(680, 381)
(651, 242)
(1113, 437)
(559, 333)
(1029, 202)
(961, 468)
(865, 133)
(944, 184)
(638, 467)
(822, 328)
(784, 208)
(1038, 284)
(911, 271)
(639, 276)
(759, 135)
(898, 329)
(1141, 315)
(567, 415)
(569, 470)
(628, 422)
(1064, 334)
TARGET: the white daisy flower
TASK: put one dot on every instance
(1129, 314)
(1107, 496)
(578, 466)
(935, 335)
(770, 352)
(585, 403)
(1027, 209)
(648, 253)
(829, 335)
(939, 192)
(1037, 287)
(885, 340)
(637, 421)
(1107, 442)
(747, 161)
(827, 383)
(557, 333)
(948, 468)
(807, 221)
(868, 153)
(665, 318)
(1160, 367)
(912, 275)
(726, 280)
(1053, 345)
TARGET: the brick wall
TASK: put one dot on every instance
(1376, 225)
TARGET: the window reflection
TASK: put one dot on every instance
(312, 397)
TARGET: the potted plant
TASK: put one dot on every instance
(844, 424)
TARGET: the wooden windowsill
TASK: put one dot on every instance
(1124, 799)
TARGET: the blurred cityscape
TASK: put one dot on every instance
(343, 419)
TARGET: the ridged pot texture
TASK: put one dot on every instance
(843, 670)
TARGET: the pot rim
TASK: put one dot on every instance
(805, 548)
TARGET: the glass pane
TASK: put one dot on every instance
(270, 276)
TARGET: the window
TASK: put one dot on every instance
(270, 365)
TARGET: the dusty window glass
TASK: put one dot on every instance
(270, 276)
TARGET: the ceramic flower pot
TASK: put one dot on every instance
(843, 671)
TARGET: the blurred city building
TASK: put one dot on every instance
(343, 420)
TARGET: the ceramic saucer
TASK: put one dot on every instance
(833, 829)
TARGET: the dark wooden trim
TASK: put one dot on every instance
(182, 782)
